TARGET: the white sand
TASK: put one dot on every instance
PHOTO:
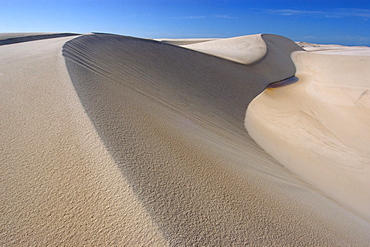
(59, 186)
(13, 38)
(173, 120)
(245, 49)
(19, 35)
(335, 49)
(143, 144)
(180, 42)
(319, 127)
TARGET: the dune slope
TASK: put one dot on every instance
(172, 119)
(59, 185)
(319, 127)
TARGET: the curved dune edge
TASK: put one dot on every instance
(319, 126)
(172, 119)
(139, 144)
(248, 50)
(14, 38)
(59, 185)
(244, 49)
(181, 42)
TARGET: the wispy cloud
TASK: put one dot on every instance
(225, 17)
(194, 17)
(335, 13)
(289, 12)
(365, 13)
(216, 16)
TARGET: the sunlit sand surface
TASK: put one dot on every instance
(109, 140)
(319, 126)
(246, 49)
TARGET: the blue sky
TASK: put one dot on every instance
(324, 21)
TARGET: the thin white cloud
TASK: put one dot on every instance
(335, 13)
(195, 17)
(288, 12)
(218, 16)
(190, 17)
(365, 13)
(224, 17)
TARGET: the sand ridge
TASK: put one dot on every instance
(13, 38)
(172, 118)
(120, 141)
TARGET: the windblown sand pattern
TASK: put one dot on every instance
(113, 140)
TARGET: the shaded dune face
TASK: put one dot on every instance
(172, 119)
(173, 74)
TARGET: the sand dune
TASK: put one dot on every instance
(245, 49)
(13, 38)
(335, 49)
(18, 35)
(132, 142)
(323, 120)
(181, 42)
(59, 185)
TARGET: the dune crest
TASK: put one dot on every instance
(172, 119)
(244, 49)
(109, 140)
(13, 38)
(319, 127)
(181, 42)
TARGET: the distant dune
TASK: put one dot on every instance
(182, 42)
(13, 38)
(245, 49)
(111, 140)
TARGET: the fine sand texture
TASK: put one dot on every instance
(109, 140)
(59, 185)
(245, 49)
(173, 121)
(319, 127)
